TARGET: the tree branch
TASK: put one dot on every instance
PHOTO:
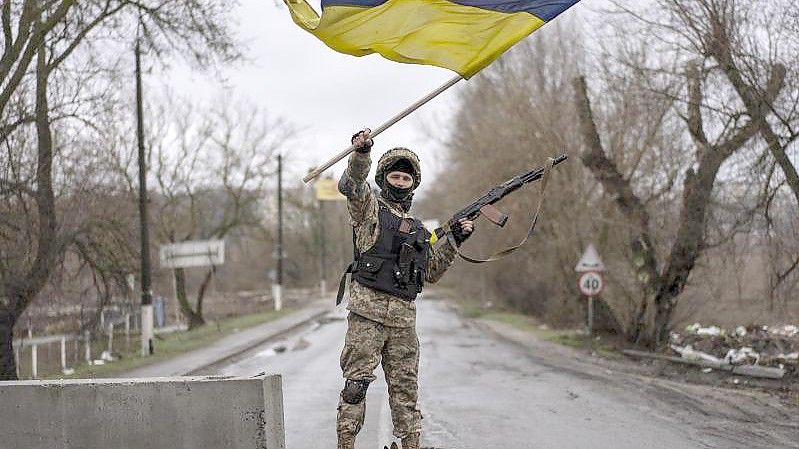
(759, 103)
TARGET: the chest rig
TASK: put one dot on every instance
(397, 262)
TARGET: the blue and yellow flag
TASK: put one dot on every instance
(460, 35)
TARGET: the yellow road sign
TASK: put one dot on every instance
(327, 190)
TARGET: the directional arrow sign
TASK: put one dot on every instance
(590, 262)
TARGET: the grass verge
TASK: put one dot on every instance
(170, 345)
(565, 337)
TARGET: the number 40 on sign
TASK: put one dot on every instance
(591, 283)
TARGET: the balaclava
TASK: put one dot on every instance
(402, 160)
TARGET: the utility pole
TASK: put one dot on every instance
(277, 288)
(146, 283)
(323, 252)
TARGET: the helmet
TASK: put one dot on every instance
(390, 158)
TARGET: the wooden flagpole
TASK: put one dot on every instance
(391, 122)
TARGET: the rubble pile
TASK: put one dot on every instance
(776, 346)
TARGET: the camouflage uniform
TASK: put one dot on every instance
(381, 327)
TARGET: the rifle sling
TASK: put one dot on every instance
(342, 283)
(508, 251)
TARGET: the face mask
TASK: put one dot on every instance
(403, 197)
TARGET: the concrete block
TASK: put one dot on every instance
(156, 413)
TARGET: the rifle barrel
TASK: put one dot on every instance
(539, 172)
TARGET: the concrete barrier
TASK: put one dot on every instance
(156, 413)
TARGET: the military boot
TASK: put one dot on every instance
(346, 441)
(411, 441)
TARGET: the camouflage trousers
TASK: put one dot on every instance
(367, 344)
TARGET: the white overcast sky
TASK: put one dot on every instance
(325, 94)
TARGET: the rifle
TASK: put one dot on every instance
(485, 204)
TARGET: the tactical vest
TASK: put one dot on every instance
(397, 262)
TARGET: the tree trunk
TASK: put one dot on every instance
(204, 288)
(605, 171)
(195, 320)
(23, 289)
(8, 365)
(689, 242)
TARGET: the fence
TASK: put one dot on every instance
(53, 354)
(119, 332)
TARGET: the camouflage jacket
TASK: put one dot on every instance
(363, 207)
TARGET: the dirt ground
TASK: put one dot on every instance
(787, 388)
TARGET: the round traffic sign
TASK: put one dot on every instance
(591, 283)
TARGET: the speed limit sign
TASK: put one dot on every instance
(591, 284)
(590, 268)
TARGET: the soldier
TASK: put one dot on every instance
(394, 257)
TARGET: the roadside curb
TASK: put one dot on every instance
(275, 335)
(232, 345)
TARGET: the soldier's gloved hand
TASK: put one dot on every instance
(462, 230)
(363, 143)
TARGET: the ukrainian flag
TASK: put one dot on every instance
(460, 35)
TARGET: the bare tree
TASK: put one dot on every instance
(673, 165)
(211, 166)
(694, 32)
(53, 33)
(735, 37)
(664, 284)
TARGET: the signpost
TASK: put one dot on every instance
(591, 283)
(198, 253)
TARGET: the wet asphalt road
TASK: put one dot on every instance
(476, 392)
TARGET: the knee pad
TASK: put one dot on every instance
(354, 391)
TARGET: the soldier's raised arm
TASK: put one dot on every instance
(361, 200)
